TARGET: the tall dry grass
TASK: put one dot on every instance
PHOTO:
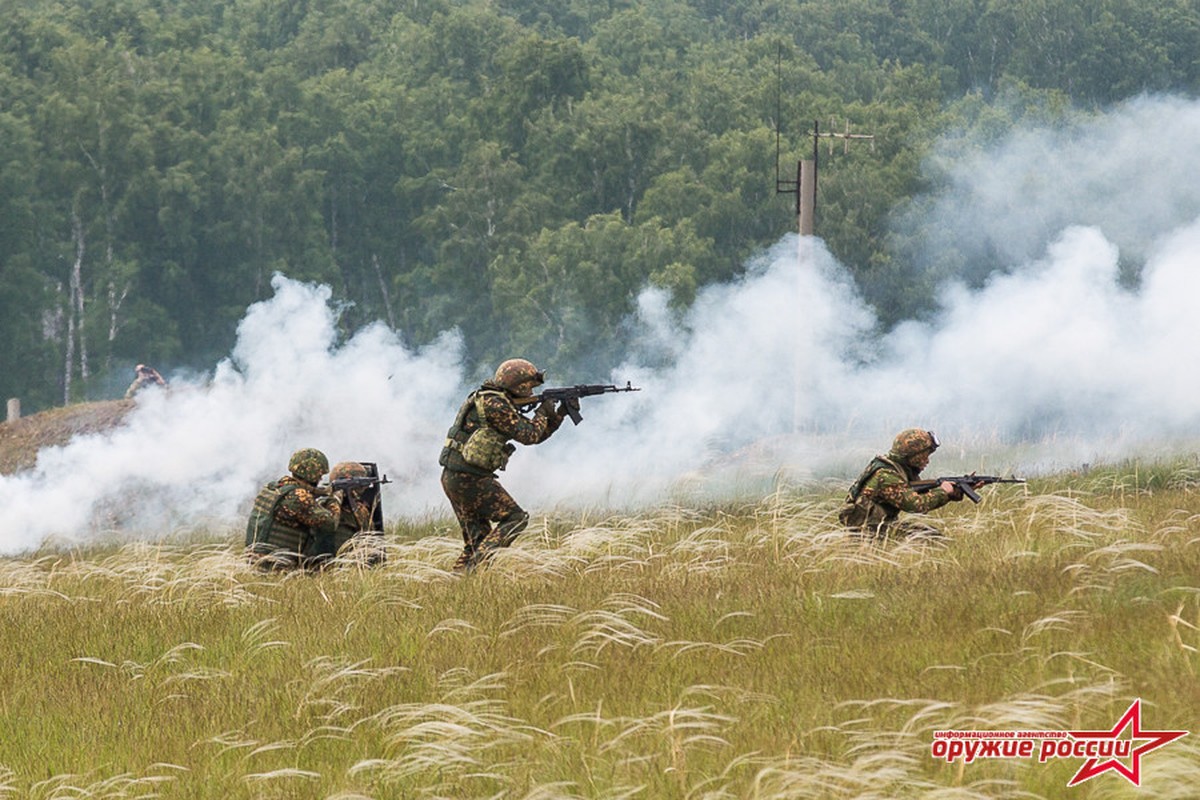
(749, 650)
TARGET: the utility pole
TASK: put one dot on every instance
(805, 189)
(805, 185)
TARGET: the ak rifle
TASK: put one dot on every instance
(967, 484)
(569, 396)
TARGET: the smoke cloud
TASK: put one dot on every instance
(1055, 361)
(1122, 173)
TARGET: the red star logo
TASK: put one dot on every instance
(1132, 719)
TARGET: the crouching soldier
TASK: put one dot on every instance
(292, 523)
(884, 490)
(360, 525)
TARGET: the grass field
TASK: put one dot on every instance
(749, 650)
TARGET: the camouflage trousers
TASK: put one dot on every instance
(478, 502)
(898, 529)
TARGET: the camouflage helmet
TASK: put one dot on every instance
(912, 442)
(347, 469)
(516, 371)
(308, 464)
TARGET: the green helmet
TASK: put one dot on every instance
(912, 442)
(347, 469)
(516, 371)
(308, 464)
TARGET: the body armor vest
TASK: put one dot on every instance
(863, 512)
(264, 533)
(473, 446)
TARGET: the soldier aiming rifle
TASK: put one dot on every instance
(890, 485)
(480, 442)
(356, 485)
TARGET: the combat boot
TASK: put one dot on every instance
(488, 547)
(466, 561)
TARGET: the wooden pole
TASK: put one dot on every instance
(14, 409)
(806, 203)
(806, 211)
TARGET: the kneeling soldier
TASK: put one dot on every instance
(362, 509)
(292, 523)
(884, 489)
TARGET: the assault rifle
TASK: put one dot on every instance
(965, 483)
(569, 396)
(347, 484)
(369, 496)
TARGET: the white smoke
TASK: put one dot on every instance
(1052, 365)
(1053, 362)
(194, 456)
(1126, 173)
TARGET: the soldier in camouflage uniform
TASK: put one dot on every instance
(356, 515)
(292, 524)
(478, 444)
(882, 491)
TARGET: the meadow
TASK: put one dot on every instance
(746, 650)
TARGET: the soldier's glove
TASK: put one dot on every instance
(566, 406)
(954, 492)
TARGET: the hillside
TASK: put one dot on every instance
(521, 170)
(21, 439)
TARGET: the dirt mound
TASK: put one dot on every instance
(20, 440)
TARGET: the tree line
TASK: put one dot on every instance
(516, 169)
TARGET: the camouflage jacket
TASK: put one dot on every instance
(300, 509)
(492, 408)
(355, 515)
(883, 490)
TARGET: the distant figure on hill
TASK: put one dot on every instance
(884, 489)
(479, 443)
(144, 376)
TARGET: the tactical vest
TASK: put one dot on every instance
(265, 534)
(473, 446)
(861, 512)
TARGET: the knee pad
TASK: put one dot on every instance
(510, 527)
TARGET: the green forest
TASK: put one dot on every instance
(517, 170)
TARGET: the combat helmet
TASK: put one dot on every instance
(347, 469)
(516, 371)
(912, 442)
(308, 464)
